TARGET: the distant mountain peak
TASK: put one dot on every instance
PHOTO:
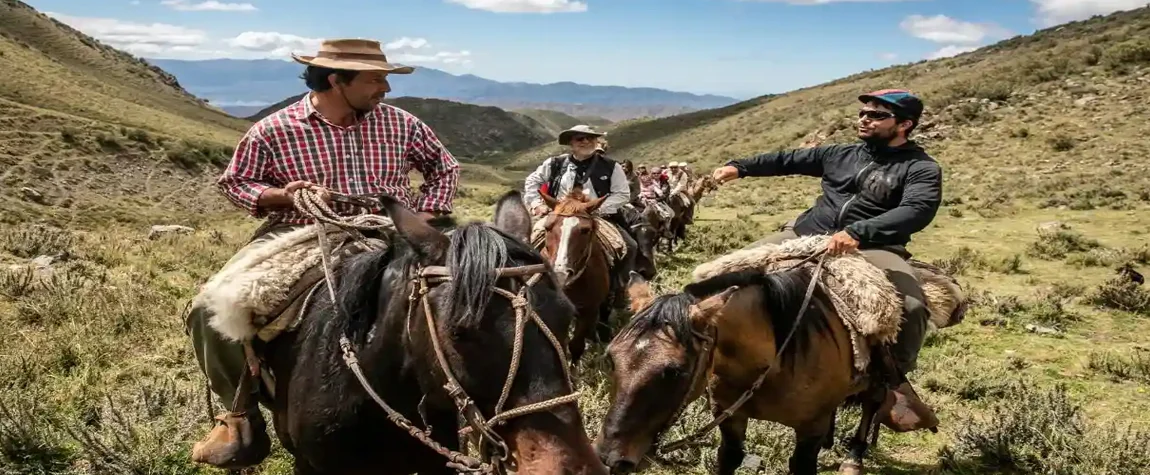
(228, 82)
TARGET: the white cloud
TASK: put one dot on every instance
(209, 5)
(1053, 12)
(888, 56)
(950, 50)
(160, 40)
(524, 6)
(406, 43)
(944, 29)
(134, 37)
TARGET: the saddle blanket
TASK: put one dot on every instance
(868, 303)
(607, 235)
(664, 210)
(261, 280)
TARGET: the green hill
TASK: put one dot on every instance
(89, 133)
(552, 122)
(471, 132)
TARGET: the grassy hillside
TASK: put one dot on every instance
(552, 122)
(1042, 140)
(90, 134)
(471, 132)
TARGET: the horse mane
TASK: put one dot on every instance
(366, 280)
(665, 311)
(783, 293)
(575, 203)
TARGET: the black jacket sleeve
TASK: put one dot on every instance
(921, 197)
(803, 161)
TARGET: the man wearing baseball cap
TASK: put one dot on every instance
(876, 194)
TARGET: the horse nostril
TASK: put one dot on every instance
(623, 467)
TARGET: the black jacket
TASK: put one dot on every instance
(879, 195)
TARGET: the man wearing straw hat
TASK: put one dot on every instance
(339, 138)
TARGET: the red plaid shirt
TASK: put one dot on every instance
(373, 156)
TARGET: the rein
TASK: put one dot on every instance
(708, 346)
(480, 430)
(582, 266)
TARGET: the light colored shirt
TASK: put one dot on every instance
(620, 189)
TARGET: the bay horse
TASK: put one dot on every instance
(441, 326)
(727, 330)
(580, 263)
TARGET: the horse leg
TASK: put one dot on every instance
(829, 441)
(808, 441)
(868, 426)
(583, 326)
(732, 449)
(603, 329)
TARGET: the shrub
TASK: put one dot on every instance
(1121, 56)
(1122, 294)
(1034, 430)
(1057, 244)
(1061, 142)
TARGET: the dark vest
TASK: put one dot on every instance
(599, 171)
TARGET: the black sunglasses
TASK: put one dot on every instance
(875, 115)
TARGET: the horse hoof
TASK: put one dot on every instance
(850, 468)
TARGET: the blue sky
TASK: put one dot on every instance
(733, 47)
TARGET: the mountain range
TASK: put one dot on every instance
(242, 87)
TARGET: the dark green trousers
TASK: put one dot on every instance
(222, 360)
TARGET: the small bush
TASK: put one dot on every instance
(1121, 293)
(1121, 56)
(1136, 367)
(1042, 431)
(140, 136)
(1057, 244)
(1061, 143)
(33, 241)
(958, 263)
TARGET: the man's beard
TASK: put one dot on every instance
(877, 139)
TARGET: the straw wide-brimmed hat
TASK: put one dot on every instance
(565, 136)
(353, 55)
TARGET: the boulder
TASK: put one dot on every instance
(165, 229)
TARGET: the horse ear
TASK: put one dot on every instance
(639, 292)
(550, 200)
(428, 242)
(511, 216)
(594, 205)
(704, 313)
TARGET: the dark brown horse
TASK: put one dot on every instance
(580, 262)
(728, 330)
(469, 323)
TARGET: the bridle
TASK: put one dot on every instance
(480, 431)
(586, 258)
(492, 449)
(706, 358)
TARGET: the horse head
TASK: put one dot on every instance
(570, 234)
(660, 362)
(646, 236)
(486, 328)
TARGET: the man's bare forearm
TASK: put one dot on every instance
(275, 198)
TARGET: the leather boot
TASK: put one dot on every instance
(903, 411)
(239, 441)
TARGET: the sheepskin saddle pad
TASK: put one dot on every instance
(868, 303)
(607, 235)
(263, 289)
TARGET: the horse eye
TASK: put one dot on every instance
(670, 372)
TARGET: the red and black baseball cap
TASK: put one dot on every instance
(902, 102)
